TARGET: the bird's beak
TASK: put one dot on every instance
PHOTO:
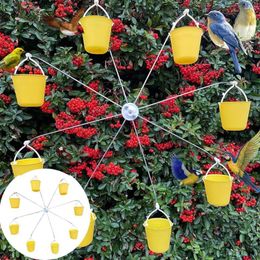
(207, 15)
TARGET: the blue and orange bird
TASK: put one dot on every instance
(238, 164)
(180, 172)
(223, 35)
(245, 23)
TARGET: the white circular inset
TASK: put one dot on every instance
(130, 111)
(44, 220)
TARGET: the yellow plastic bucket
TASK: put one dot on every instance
(218, 186)
(234, 115)
(185, 42)
(158, 234)
(218, 189)
(22, 166)
(29, 89)
(97, 32)
(87, 240)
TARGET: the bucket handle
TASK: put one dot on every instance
(217, 162)
(234, 85)
(185, 13)
(26, 144)
(157, 208)
(29, 57)
(96, 4)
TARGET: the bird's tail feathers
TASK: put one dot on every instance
(247, 180)
(233, 55)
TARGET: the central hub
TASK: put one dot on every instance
(130, 111)
(45, 210)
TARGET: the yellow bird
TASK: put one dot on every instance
(12, 59)
(245, 23)
(238, 164)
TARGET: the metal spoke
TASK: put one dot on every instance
(145, 162)
(38, 223)
(81, 83)
(183, 94)
(119, 130)
(118, 76)
(155, 61)
(29, 200)
(75, 126)
(58, 216)
(168, 131)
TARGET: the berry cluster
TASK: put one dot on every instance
(6, 45)
(164, 146)
(76, 105)
(209, 139)
(92, 153)
(29, 69)
(52, 72)
(28, 6)
(38, 143)
(113, 169)
(169, 107)
(116, 125)
(46, 107)
(94, 85)
(77, 61)
(256, 69)
(115, 43)
(187, 215)
(201, 25)
(139, 246)
(64, 7)
(64, 120)
(6, 99)
(118, 26)
(133, 141)
(150, 59)
(50, 88)
(200, 72)
(186, 89)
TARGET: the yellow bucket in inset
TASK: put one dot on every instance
(234, 115)
(87, 240)
(158, 234)
(29, 89)
(30, 244)
(55, 247)
(218, 189)
(185, 42)
(97, 32)
(22, 166)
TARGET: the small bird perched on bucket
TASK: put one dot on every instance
(66, 28)
(11, 60)
(238, 164)
(245, 23)
(223, 35)
(180, 172)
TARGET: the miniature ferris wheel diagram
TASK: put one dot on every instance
(46, 215)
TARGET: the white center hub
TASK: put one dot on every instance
(130, 111)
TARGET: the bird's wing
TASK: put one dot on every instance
(77, 17)
(223, 31)
(9, 60)
(248, 152)
(179, 171)
(51, 21)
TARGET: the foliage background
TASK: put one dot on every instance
(120, 194)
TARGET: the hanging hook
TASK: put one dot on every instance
(96, 2)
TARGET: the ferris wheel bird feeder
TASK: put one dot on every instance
(29, 88)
